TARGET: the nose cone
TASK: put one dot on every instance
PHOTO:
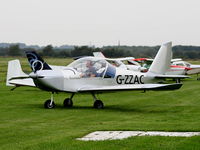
(33, 75)
(50, 80)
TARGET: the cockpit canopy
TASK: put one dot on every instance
(182, 63)
(93, 67)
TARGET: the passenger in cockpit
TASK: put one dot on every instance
(93, 69)
(90, 71)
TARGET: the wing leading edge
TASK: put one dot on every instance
(132, 87)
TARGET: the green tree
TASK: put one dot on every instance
(82, 51)
(48, 50)
(14, 50)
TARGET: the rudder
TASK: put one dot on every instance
(162, 60)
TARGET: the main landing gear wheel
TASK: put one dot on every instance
(49, 104)
(98, 104)
(68, 102)
(198, 77)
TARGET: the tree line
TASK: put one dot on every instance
(185, 52)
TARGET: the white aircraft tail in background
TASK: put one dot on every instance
(99, 54)
(162, 60)
(161, 64)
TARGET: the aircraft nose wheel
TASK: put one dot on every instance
(68, 102)
(49, 104)
(98, 104)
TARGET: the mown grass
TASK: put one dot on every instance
(25, 124)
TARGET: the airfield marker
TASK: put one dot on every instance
(114, 135)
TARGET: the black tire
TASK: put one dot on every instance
(47, 104)
(98, 104)
(68, 102)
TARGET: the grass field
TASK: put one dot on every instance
(25, 124)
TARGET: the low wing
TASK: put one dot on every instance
(125, 58)
(132, 87)
(171, 76)
(100, 54)
(176, 59)
(143, 59)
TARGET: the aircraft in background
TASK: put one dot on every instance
(177, 67)
(193, 69)
(173, 70)
(94, 75)
(125, 62)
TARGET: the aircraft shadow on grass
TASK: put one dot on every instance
(114, 108)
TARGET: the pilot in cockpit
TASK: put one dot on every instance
(91, 70)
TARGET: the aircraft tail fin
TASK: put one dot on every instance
(99, 54)
(14, 70)
(162, 60)
(36, 62)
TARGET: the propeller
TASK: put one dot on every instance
(32, 75)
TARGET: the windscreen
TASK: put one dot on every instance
(90, 67)
(93, 67)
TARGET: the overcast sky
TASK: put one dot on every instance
(100, 22)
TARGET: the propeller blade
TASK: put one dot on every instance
(21, 77)
(33, 76)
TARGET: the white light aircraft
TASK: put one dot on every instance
(173, 70)
(94, 75)
(177, 67)
(193, 69)
(126, 62)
